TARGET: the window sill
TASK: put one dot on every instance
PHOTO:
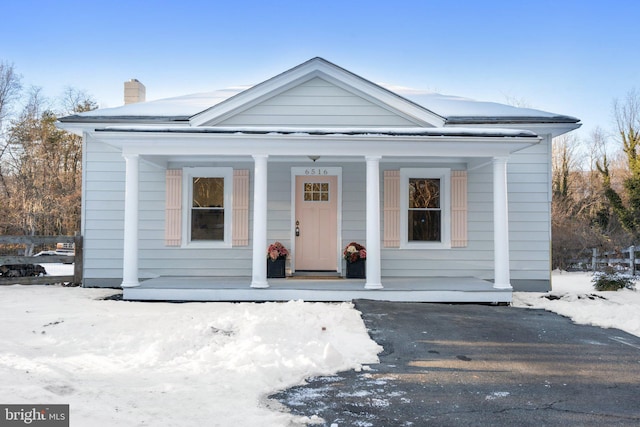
(425, 246)
(206, 244)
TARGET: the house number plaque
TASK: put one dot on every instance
(316, 171)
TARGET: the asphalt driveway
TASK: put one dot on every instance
(479, 365)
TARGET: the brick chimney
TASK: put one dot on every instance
(134, 91)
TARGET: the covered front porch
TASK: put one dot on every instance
(318, 288)
(264, 148)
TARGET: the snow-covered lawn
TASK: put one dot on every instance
(573, 296)
(123, 363)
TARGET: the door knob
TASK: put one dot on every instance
(297, 228)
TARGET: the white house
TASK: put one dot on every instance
(450, 196)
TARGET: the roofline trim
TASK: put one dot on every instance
(422, 132)
(477, 120)
(119, 119)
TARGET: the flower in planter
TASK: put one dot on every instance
(354, 252)
(276, 250)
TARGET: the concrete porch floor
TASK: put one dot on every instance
(400, 289)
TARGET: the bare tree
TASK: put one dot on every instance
(571, 230)
(516, 101)
(564, 160)
(582, 216)
(76, 101)
(10, 87)
(43, 170)
(625, 202)
(9, 92)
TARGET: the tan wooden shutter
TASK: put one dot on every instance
(240, 235)
(173, 208)
(458, 209)
(391, 237)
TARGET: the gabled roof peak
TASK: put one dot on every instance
(319, 67)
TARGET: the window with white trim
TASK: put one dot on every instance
(208, 199)
(425, 208)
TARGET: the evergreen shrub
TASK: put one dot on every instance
(611, 280)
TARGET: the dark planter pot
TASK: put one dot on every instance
(357, 270)
(275, 268)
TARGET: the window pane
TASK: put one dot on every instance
(424, 193)
(316, 192)
(424, 226)
(207, 224)
(208, 192)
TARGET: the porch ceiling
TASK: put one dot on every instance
(304, 160)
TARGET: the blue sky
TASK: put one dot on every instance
(569, 57)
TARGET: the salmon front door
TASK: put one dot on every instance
(316, 222)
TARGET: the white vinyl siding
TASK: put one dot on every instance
(103, 208)
(317, 103)
(530, 212)
(354, 202)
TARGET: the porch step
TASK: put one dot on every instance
(315, 277)
(433, 289)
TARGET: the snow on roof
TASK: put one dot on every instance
(176, 108)
(454, 109)
(465, 110)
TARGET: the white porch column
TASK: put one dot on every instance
(130, 252)
(500, 224)
(259, 270)
(374, 279)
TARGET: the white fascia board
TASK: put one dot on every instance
(151, 143)
(306, 71)
(553, 129)
(75, 128)
(80, 129)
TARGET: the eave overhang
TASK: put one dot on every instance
(123, 119)
(416, 132)
(511, 120)
(538, 126)
(422, 142)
